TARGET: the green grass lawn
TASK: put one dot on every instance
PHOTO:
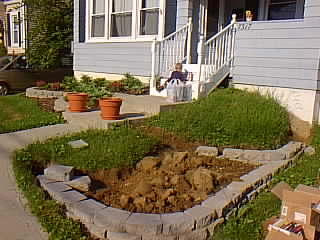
(18, 113)
(230, 117)
(247, 224)
(118, 147)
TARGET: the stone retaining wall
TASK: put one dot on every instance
(197, 223)
(35, 92)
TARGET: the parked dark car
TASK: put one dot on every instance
(17, 77)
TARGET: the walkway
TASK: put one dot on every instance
(15, 222)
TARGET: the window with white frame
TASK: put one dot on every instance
(121, 18)
(149, 17)
(15, 29)
(124, 19)
(98, 18)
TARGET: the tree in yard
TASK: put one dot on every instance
(50, 31)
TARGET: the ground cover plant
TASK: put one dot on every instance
(248, 222)
(230, 117)
(19, 113)
(107, 149)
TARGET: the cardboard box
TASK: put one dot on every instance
(301, 206)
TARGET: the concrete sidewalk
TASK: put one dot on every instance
(16, 223)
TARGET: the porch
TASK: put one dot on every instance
(206, 42)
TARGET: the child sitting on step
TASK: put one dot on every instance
(175, 84)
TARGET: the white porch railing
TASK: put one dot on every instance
(217, 52)
(175, 48)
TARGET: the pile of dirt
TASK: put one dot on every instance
(173, 182)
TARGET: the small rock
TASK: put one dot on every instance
(167, 193)
(148, 163)
(124, 201)
(175, 179)
(80, 183)
(167, 159)
(196, 161)
(143, 188)
(309, 151)
(202, 180)
(207, 151)
(160, 180)
(140, 202)
(78, 144)
(60, 105)
(179, 157)
(59, 173)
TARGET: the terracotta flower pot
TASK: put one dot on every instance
(110, 108)
(78, 102)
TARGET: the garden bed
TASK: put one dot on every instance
(173, 182)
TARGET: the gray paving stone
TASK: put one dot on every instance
(112, 219)
(212, 227)
(96, 231)
(309, 151)
(144, 224)
(240, 187)
(122, 236)
(69, 197)
(55, 187)
(201, 234)
(160, 237)
(82, 183)
(273, 155)
(177, 223)
(291, 149)
(221, 203)
(233, 153)
(86, 210)
(202, 215)
(59, 173)
(43, 180)
(207, 151)
(78, 144)
(252, 178)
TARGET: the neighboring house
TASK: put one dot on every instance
(14, 27)
(278, 51)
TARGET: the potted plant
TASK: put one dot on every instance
(77, 97)
(78, 102)
(110, 107)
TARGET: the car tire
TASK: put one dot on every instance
(3, 89)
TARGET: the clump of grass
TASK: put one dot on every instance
(118, 147)
(248, 223)
(230, 117)
(19, 113)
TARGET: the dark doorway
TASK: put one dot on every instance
(213, 18)
(253, 6)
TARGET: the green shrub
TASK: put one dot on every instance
(230, 117)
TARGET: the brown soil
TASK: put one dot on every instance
(173, 182)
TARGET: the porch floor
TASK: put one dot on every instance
(134, 108)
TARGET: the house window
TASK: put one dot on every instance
(149, 17)
(121, 18)
(282, 9)
(98, 18)
(15, 30)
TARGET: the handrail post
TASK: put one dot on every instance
(153, 83)
(189, 43)
(200, 49)
(233, 41)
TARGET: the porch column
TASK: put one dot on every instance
(184, 12)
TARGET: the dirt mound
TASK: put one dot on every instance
(175, 181)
